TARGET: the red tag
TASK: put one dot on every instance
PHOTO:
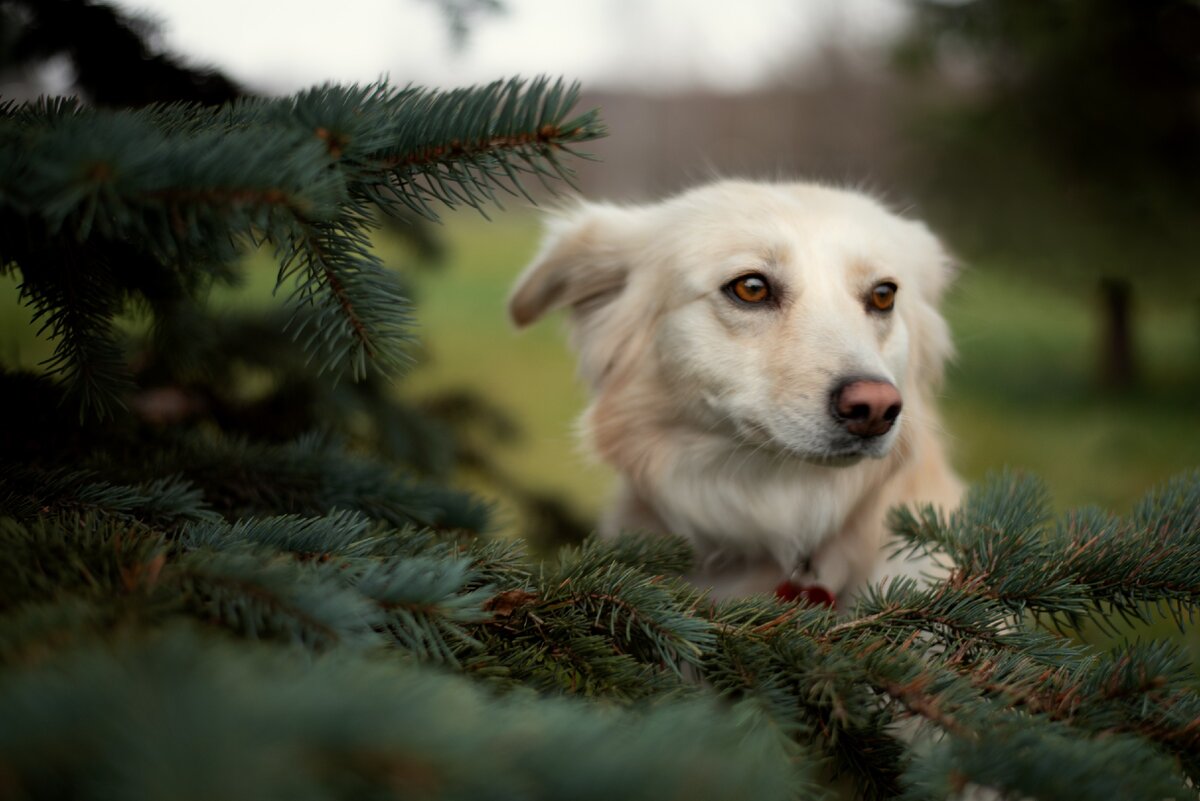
(813, 594)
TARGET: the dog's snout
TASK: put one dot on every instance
(867, 408)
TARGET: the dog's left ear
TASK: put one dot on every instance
(582, 264)
(935, 347)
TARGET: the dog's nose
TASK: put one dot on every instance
(867, 408)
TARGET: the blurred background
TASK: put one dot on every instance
(1054, 145)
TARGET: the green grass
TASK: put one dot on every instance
(1023, 392)
(468, 342)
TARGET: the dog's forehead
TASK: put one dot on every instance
(789, 226)
(784, 210)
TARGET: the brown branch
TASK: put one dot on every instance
(338, 289)
(216, 196)
(546, 136)
(913, 698)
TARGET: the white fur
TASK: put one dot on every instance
(717, 415)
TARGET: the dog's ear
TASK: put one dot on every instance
(934, 345)
(582, 264)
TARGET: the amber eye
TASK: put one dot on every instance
(751, 288)
(883, 296)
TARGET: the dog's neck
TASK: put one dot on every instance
(736, 502)
(762, 503)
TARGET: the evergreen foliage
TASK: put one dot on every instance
(101, 605)
(195, 602)
(131, 192)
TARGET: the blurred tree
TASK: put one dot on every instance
(461, 15)
(112, 62)
(1069, 141)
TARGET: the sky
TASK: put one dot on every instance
(652, 45)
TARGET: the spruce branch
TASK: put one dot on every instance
(1087, 564)
(427, 604)
(341, 728)
(187, 190)
(920, 691)
(313, 476)
(1144, 690)
(972, 725)
(967, 626)
(425, 595)
(28, 493)
(263, 598)
(73, 302)
(558, 651)
(653, 554)
(633, 607)
(456, 147)
(1045, 761)
(341, 533)
(94, 556)
(348, 310)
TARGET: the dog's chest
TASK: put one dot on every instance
(748, 504)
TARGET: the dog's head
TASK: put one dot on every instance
(789, 316)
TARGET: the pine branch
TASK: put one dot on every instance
(102, 558)
(27, 493)
(1147, 690)
(962, 625)
(1086, 565)
(635, 609)
(179, 702)
(1046, 762)
(313, 477)
(189, 189)
(460, 144)
(427, 604)
(347, 309)
(263, 598)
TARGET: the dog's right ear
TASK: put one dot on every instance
(581, 266)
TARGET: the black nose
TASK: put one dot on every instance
(866, 408)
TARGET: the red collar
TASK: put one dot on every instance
(813, 594)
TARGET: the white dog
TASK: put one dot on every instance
(763, 360)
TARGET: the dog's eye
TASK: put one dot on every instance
(883, 296)
(751, 288)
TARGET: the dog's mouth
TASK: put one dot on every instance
(847, 457)
(836, 459)
(827, 451)
(841, 456)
